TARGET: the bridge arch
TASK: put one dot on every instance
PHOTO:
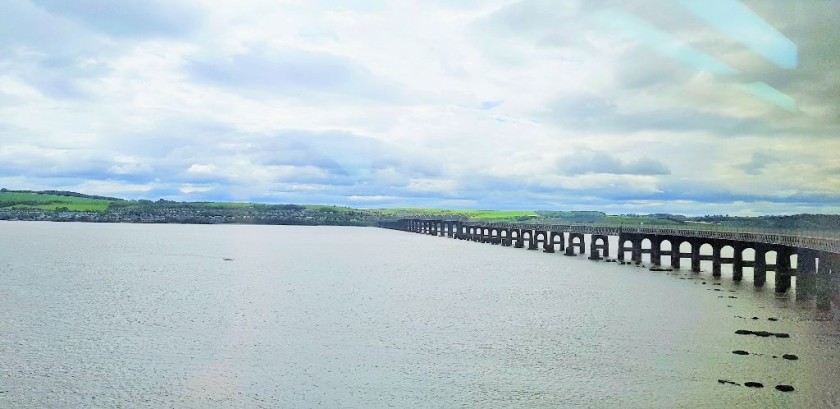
(665, 248)
(625, 245)
(706, 251)
(727, 258)
(646, 246)
(599, 247)
(770, 256)
(558, 241)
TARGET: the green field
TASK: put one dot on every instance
(21, 200)
(495, 215)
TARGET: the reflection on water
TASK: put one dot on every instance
(153, 315)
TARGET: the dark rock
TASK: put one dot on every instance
(717, 289)
(774, 357)
(790, 357)
(755, 318)
(727, 382)
(743, 332)
(763, 333)
(784, 388)
(782, 335)
(732, 296)
(703, 282)
(740, 352)
(715, 283)
(772, 319)
(753, 384)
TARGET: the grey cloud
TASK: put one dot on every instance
(588, 162)
(343, 160)
(758, 163)
(594, 113)
(291, 73)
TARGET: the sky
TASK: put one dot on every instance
(662, 106)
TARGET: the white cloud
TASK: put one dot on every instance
(465, 103)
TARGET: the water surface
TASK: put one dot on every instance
(106, 315)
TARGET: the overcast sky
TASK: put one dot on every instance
(681, 106)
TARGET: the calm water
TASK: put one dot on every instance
(154, 316)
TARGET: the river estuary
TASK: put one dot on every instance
(121, 315)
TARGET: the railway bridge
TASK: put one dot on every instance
(814, 261)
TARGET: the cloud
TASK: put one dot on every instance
(509, 104)
(583, 163)
(128, 18)
(290, 73)
(759, 162)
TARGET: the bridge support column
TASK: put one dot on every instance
(546, 242)
(637, 250)
(828, 280)
(760, 266)
(738, 263)
(716, 247)
(783, 270)
(621, 249)
(676, 254)
(695, 256)
(655, 251)
(806, 273)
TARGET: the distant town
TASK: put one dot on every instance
(63, 206)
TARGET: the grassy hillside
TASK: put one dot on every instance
(33, 200)
(495, 215)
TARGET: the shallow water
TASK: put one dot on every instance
(96, 315)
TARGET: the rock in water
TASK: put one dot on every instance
(790, 357)
(740, 352)
(753, 384)
(784, 388)
(743, 332)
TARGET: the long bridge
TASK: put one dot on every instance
(816, 260)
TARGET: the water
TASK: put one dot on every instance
(95, 315)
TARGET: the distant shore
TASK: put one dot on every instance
(62, 206)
